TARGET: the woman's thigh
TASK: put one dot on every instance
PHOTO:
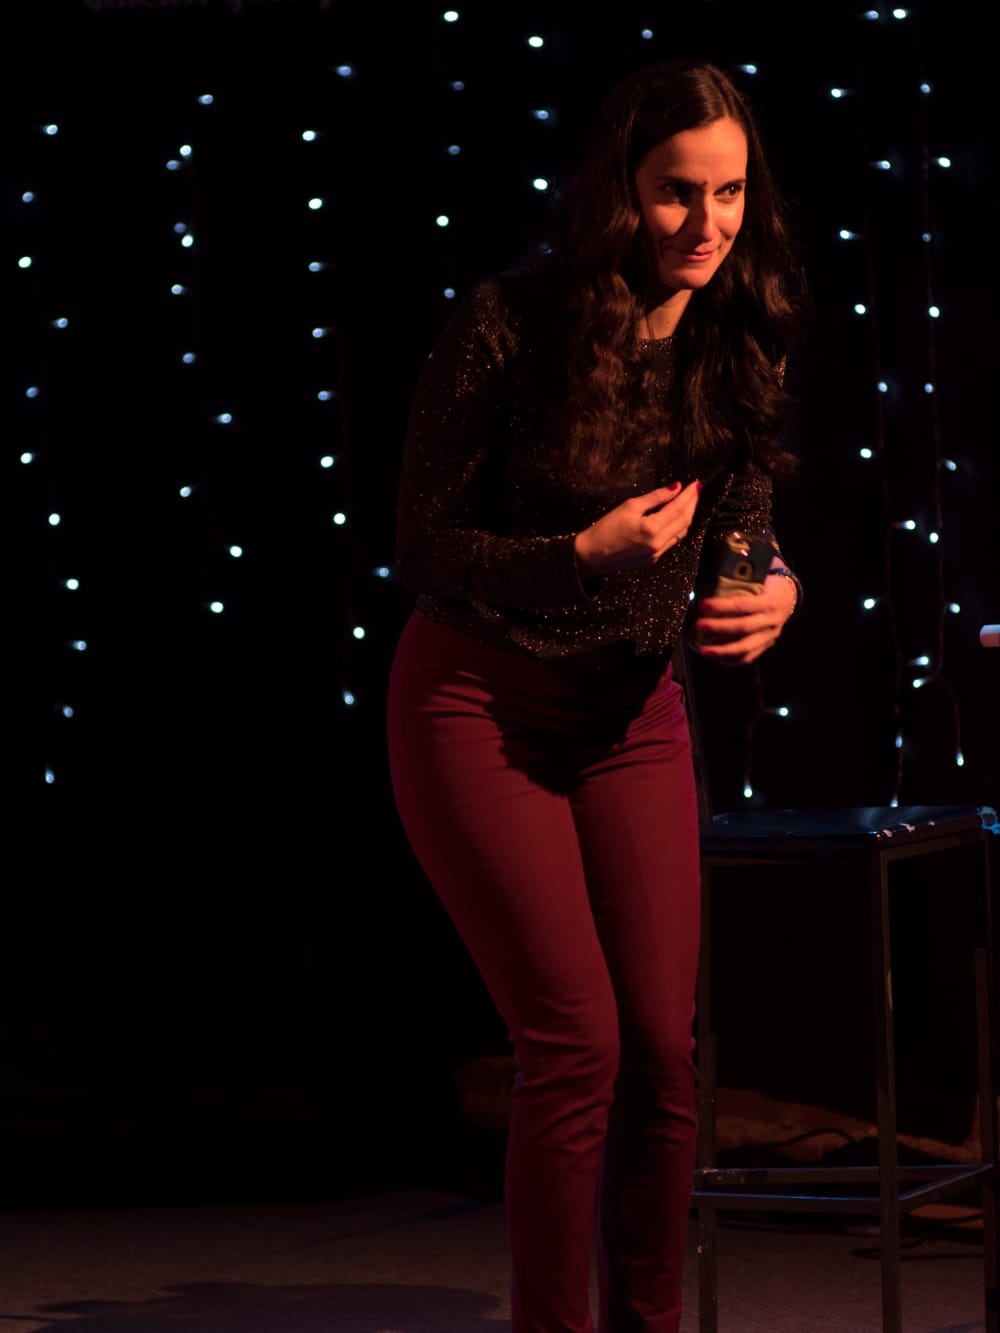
(489, 819)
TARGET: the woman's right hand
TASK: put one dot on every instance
(637, 532)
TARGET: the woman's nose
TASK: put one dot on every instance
(701, 218)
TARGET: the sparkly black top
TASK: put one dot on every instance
(487, 521)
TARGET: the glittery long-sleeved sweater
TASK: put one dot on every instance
(486, 520)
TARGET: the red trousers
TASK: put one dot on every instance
(558, 825)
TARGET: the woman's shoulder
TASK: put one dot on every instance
(528, 291)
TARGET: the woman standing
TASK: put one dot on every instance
(586, 431)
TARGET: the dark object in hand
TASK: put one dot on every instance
(743, 566)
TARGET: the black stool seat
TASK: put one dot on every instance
(864, 842)
(833, 832)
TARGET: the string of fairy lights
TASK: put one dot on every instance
(919, 655)
(919, 667)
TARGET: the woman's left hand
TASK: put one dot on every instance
(737, 630)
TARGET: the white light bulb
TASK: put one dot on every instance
(31, 391)
(536, 42)
(749, 69)
(882, 386)
(541, 114)
(450, 16)
(866, 452)
(180, 228)
(185, 492)
(950, 464)
(27, 457)
(925, 88)
(928, 387)
(188, 358)
(50, 777)
(187, 242)
(50, 130)
(860, 308)
(55, 520)
(224, 418)
(450, 293)
(959, 759)
(540, 183)
(309, 136)
(236, 552)
(324, 395)
(28, 197)
(185, 150)
(453, 150)
(72, 584)
(934, 538)
(320, 332)
(340, 519)
(345, 71)
(457, 86)
(173, 165)
(954, 608)
(358, 632)
(66, 710)
(646, 34)
(348, 698)
(382, 572)
(327, 460)
(846, 235)
(870, 603)
(747, 790)
(24, 262)
(899, 740)
(216, 607)
(316, 203)
(60, 323)
(442, 219)
(178, 289)
(206, 99)
(838, 93)
(79, 645)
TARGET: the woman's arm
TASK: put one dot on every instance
(451, 538)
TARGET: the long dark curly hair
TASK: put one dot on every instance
(727, 403)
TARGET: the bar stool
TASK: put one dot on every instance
(862, 846)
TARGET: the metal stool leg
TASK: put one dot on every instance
(885, 1094)
(708, 1268)
(985, 961)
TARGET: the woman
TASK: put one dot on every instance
(584, 434)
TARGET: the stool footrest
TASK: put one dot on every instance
(713, 1187)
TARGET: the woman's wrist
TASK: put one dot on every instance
(781, 571)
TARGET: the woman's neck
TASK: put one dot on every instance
(661, 320)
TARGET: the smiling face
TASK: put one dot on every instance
(691, 191)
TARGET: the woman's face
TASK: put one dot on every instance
(691, 191)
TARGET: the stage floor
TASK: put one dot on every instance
(416, 1261)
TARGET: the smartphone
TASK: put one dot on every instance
(741, 570)
(743, 565)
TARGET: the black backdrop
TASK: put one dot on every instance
(221, 969)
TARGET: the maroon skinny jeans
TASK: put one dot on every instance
(558, 825)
